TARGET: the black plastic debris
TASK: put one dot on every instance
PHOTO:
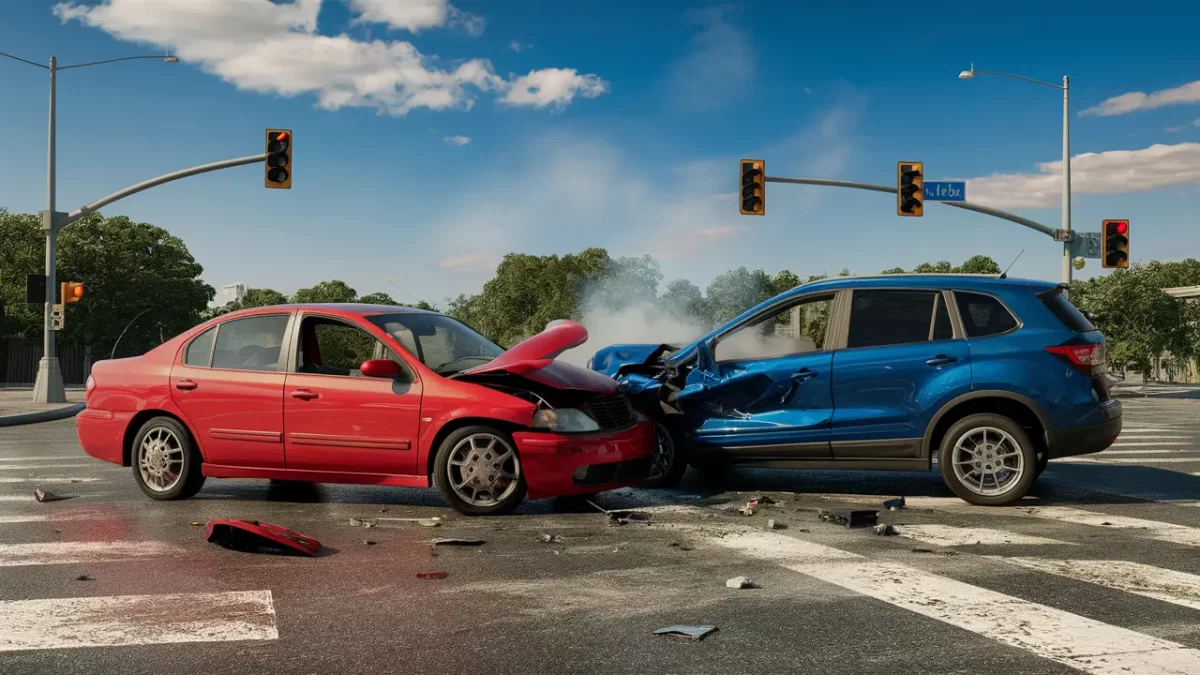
(886, 530)
(857, 518)
(740, 583)
(623, 517)
(933, 552)
(252, 536)
(458, 542)
(894, 504)
(369, 542)
(84, 577)
(47, 496)
(773, 524)
(764, 500)
(690, 632)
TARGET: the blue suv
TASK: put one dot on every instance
(988, 376)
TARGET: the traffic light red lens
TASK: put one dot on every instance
(1122, 228)
(282, 136)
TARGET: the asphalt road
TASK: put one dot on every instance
(1097, 571)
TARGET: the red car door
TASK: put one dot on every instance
(228, 382)
(336, 419)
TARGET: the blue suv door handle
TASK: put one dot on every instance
(798, 377)
(941, 360)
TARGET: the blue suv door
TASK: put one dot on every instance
(767, 394)
(903, 360)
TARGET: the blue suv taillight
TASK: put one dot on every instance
(1087, 359)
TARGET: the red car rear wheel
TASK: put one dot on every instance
(166, 464)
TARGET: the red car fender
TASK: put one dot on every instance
(449, 401)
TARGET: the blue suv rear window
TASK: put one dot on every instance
(1068, 314)
(983, 315)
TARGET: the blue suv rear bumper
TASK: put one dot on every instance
(1089, 438)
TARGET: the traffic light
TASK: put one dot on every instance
(72, 291)
(910, 188)
(754, 187)
(1115, 234)
(279, 159)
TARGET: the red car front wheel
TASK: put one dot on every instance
(478, 471)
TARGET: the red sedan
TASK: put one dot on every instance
(365, 394)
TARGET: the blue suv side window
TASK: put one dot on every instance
(983, 315)
(891, 317)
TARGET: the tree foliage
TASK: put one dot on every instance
(135, 275)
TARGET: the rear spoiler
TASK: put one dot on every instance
(1059, 288)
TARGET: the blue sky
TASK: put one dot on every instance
(614, 124)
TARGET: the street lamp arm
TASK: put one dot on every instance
(1019, 77)
(32, 63)
(123, 58)
(146, 185)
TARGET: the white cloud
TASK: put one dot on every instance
(518, 46)
(1181, 127)
(553, 86)
(1138, 100)
(457, 140)
(1111, 172)
(241, 41)
(416, 15)
(720, 63)
(471, 262)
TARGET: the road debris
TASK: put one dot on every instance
(355, 522)
(48, 496)
(894, 504)
(773, 524)
(886, 530)
(933, 552)
(746, 510)
(691, 632)
(434, 521)
(84, 577)
(625, 517)
(849, 518)
(432, 575)
(741, 582)
(196, 523)
(551, 538)
(458, 542)
(369, 542)
(252, 536)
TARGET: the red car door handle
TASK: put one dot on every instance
(185, 385)
(305, 394)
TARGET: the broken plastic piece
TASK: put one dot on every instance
(746, 510)
(457, 542)
(849, 518)
(47, 496)
(692, 632)
(552, 538)
(773, 524)
(741, 582)
(355, 522)
(894, 504)
(432, 575)
(886, 530)
(762, 500)
(84, 577)
(252, 536)
(623, 517)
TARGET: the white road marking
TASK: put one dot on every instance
(1111, 453)
(1118, 460)
(1160, 444)
(1076, 641)
(60, 458)
(111, 621)
(72, 552)
(948, 535)
(1169, 532)
(56, 479)
(33, 467)
(1171, 586)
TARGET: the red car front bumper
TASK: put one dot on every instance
(558, 465)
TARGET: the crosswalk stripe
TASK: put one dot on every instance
(1143, 435)
(1118, 460)
(1149, 581)
(948, 535)
(1111, 453)
(72, 552)
(1141, 444)
(44, 458)
(1076, 641)
(110, 621)
(56, 479)
(33, 467)
(1153, 529)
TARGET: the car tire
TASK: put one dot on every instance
(480, 446)
(1043, 458)
(669, 460)
(993, 450)
(165, 461)
(707, 465)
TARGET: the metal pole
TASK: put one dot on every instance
(1066, 177)
(48, 388)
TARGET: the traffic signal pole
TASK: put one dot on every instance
(1066, 186)
(997, 213)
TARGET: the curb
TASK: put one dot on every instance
(42, 415)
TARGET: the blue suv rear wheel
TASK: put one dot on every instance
(988, 459)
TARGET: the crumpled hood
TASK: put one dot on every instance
(534, 359)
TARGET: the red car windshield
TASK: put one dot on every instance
(445, 345)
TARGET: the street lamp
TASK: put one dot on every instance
(49, 385)
(1066, 152)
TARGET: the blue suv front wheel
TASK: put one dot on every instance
(988, 459)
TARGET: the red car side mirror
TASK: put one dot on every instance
(384, 368)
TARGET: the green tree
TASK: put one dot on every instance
(134, 274)
(684, 300)
(735, 291)
(254, 297)
(326, 292)
(978, 264)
